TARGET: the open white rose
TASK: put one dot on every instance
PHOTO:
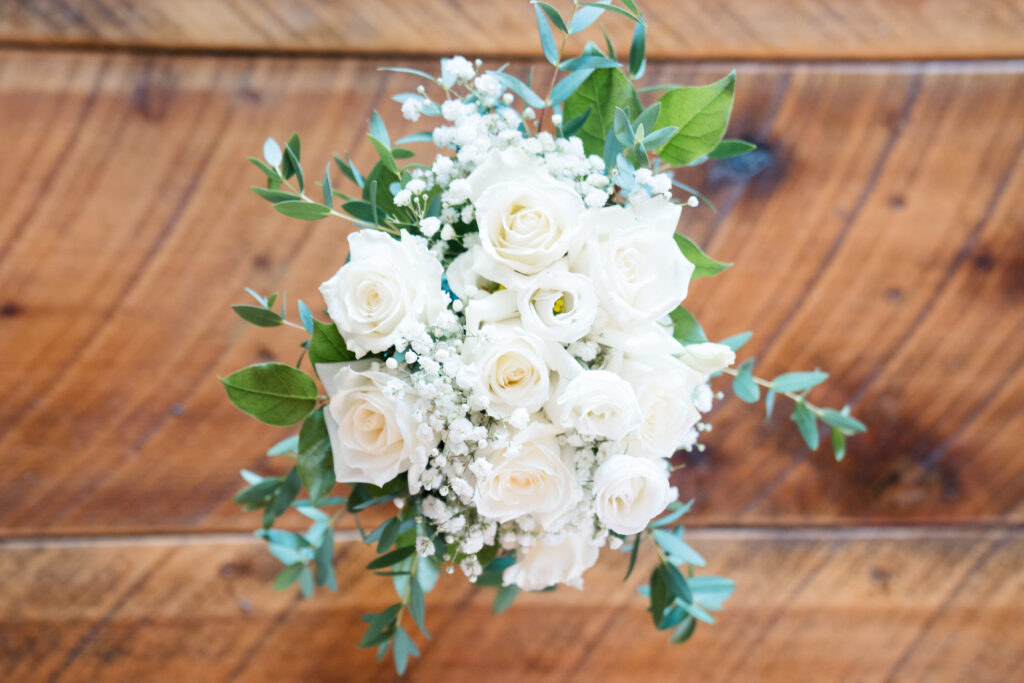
(543, 565)
(629, 492)
(529, 477)
(463, 277)
(514, 366)
(708, 357)
(385, 283)
(664, 388)
(373, 435)
(597, 403)
(637, 268)
(527, 219)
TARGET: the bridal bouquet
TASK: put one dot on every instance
(504, 362)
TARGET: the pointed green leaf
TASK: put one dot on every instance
(703, 265)
(602, 92)
(701, 115)
(686, 328)
(327, 345)
(553, 15)
(257, 315)
(807, 423)
(274, 393)
(504, 598)
(303, 210)
(315, 462)
(743, 384)
(798, 381)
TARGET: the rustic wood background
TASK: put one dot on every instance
(878, 233)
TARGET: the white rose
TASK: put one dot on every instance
(637, 268)
(529, 477)
(664, 389)
(708, 357)
(597, 403)
(546, 564)
(629, 492)
(386, 283)
(558, 305)
(373, 435)
(527, 219)
(513, 371)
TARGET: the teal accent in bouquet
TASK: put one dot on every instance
(503, 359)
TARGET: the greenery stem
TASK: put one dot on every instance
(554, 75)
(797, 398)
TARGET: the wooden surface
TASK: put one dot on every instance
(877, 234)
(686, 29)
(837, 606)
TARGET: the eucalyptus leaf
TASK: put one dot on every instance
(686, 328)
(553, 15)
(838, 444)
(588, 62)
(524, 92)
(288, 576)
(274, 393)
(257, 315)
(324, 556)
(547, 40)
(289, 162)
(272, 152)
(306, 316)
(289, 444)
(637, 51)
(737, 341)
(798, 381)
(675, 546)
(274, 195)
(392, 558)
(584, 17)
(328, 193)
(807, 423)
(844, 422)
(566, 87)
(403, 648)
(378, 130)
(504, 598)
(743, 384)
(303, 210)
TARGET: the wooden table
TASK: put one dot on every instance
(879, 235)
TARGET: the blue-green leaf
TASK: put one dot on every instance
(547, 41)
(553, 15)
(736, 341)
(807, 423)
(743, 384)
(257, 315)
(844, 422)
(588, 62)
(289, 444)
(731, 148)
(798, 381)
(584, 17)
(288, 576)
(564, 89)
(324, 557)
(306, 316)
(379, 130)
(425, 136)
(637, 51)
(703, 265)
(531, 98)
(307, 211)
(686, 328)
(272, 152)
(328, 194)
(504, 598)
(315, 462)
(838, 444)
(676, 547)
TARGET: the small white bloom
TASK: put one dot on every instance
(403, 198)
(424, 546)
(629, 492)
(707, 357)
(430, 225)
(412, 108)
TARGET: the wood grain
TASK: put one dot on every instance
(686, 29)
(880, 240)
(854, 605)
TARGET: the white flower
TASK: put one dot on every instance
(639, 272)
(527, 219)
(708, 357)
(458, 67)
(546, 564)
(528, 477)
(412, 108)
(373, 436)
(597, 403)
(387, 283)
(664, 389)
(558, 305)
(430, 225)
(512, 369)
(629, 492)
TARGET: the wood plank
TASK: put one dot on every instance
(864, 605)
(880, 241)
(684, 29)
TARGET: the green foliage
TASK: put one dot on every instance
(703, 265)
(524, 92)
(726, 149)
(700, 115)
(303, 210)
(274, 393)
(807, 423)
(547, 40)
(327, 345)
(257, 315)
(315, 462)
(743, 384)
(504, 598)
(601, 93)
(686, 328)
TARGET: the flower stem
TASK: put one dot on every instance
(796, 398)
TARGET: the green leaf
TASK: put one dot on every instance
(327, 346)
(290, 161)
(392, 558)
(547, 41)
(703, 265)
(632, 557)
(711, 589)
(273, 195)
(570, 127)
(736, 341)
(328, 192)
(660, 595)
(426, 136)
(731, 148)
(303, 210)
(259, 493)
(701, 115)
(838, 444)
(282, 498)
(417, 606)
(381, 626)
(676, 547)
(388, 535)
(288, 576)
(274, 393)
(364, 211)
(257, 315)
(272, 174)
(684, 630)
(553, 15)
(504, 598)
(622, 128)
(743, 384)
(325, 561)
(844, 422)
(678, 510)
(602, 92)
(349, 169)
(807, 423)
(686, 328)
(588, 62)
(677, 585)
(637, 51)
(386, 157)
(403, 649)
(769, 404)
(379, 131)
(531, 98)
(405, 70)
(315, 463)
(306, 582)
(566, 87)
(798, 381)
(607, 5)
(288, 444)
(293, 161)
(698, 612)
